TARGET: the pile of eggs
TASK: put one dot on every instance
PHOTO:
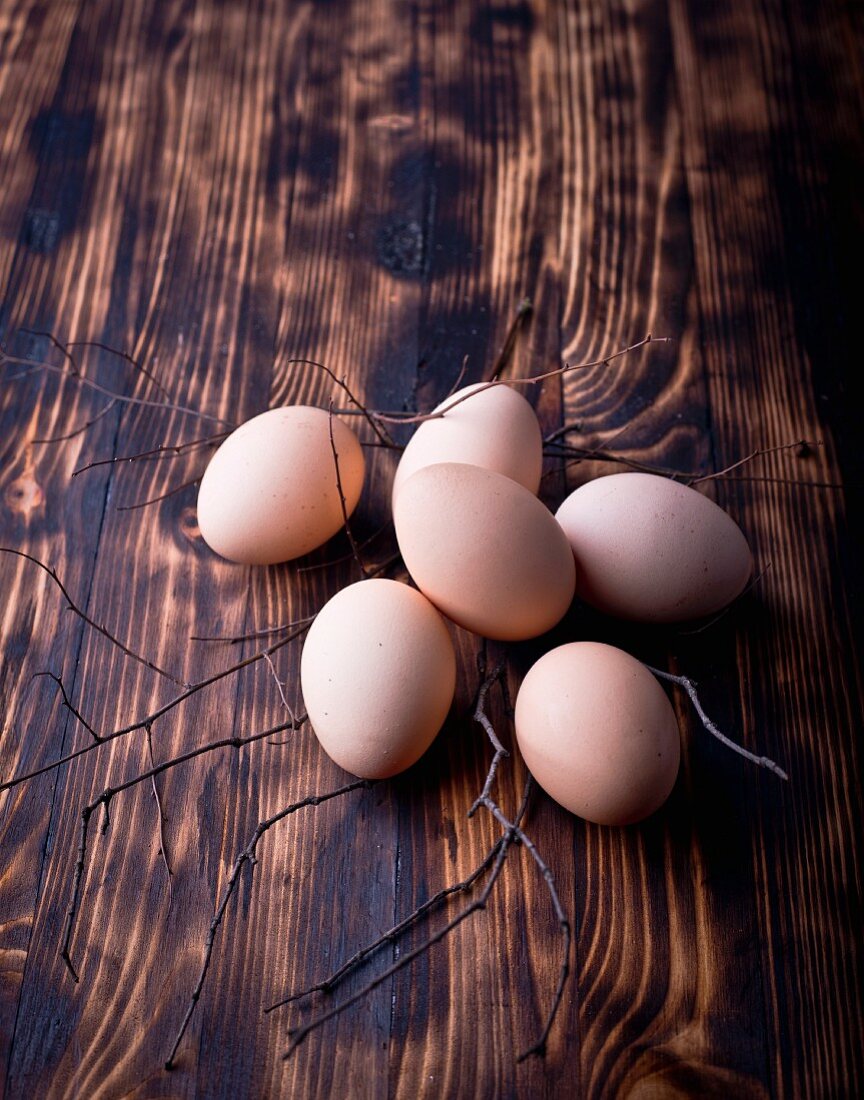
(378, 669)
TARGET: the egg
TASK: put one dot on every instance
(496, 429)
(598, 733)
(485, 550)
(378, 673)
(653, 550)
(270, 492)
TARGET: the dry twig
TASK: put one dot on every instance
(690, 687)
(105, 798)
(248, 856)
(355, 549)
(72, 606)
(162, 496)
(501, 849)
(150, 719)
(485, 799)
(82, 380)
(154, 454)
(348, 967)
(523, 310)
(67, 702)
(81, 427)
(535, 380)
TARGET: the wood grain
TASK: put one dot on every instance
(221, 188)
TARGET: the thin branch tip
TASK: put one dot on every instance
(689, 687)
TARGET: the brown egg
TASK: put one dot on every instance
(653, 550)
(378, 674)
(270, 491)
(496, 429)
(598, 733)
(484, 550)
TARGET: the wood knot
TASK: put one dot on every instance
(400, 247)
(23, 496)
(189, 523)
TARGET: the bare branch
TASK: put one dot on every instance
(150, 719)
(264, 632)
(583, 454)
(535, 380)
(81, 427)
(370, 418)
(690, 687)
(523, 310)
(67, 703)
(248, 856)
(154, 454)
(163, 847)
(329, 984)
(52, 573)
(459, 377)
(74, 370)
(122, 355)
(482, 719)
(760, 452)
(88, 383)
(109, 793)
(355, 549)
(318, 565)
(280, 686)
(162, 496)
(300, 1033)
(514, 829)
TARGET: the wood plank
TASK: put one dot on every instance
(649, 1000)
(739, 71)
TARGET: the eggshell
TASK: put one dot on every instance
(270, 493)
(378, 674)
(496, 429)
(653, 550)
(598, 733)
(484, 550)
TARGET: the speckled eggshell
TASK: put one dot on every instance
(598, 733)
(484, 550)
(652, 550)
(270, 494)
(496, 429)
(378, 672)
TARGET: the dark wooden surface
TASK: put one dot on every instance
(217, 187)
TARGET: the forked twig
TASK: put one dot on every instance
(331, 982)
(121, 355)
(155, 454)
(514, 828)
(96, 387)
(534, 380)
(150, 719)
(263, 632)
(381, 432)
(109, 793)
(479, 903)
(481, 717)
(162, 496)
(67, 702)
(248, 856)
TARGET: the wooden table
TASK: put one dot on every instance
(216, 189)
